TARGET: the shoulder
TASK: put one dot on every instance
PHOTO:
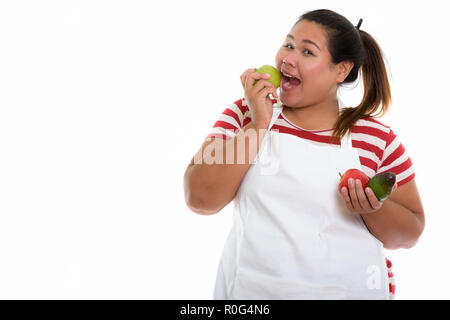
(383, 148)
(234, 116)
(372, 127)
(374, 132)
(239, 105)
(371, 138)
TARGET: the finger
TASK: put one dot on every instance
(255, 91)
(364, 202)
(275, 94)
(262, 84)
(373, 200)
(395, 187)
(266, 91)
(348, 202)
(252, 77)
(245, 75)
(353, 196)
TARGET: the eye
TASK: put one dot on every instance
(289, 46)
(310, 53)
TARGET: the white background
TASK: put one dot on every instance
(103, 104)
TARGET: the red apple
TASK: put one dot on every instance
(354, 174)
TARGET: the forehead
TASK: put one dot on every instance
(311, 31)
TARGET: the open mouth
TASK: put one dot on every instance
(289, 82)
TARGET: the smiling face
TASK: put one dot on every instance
(309, 76)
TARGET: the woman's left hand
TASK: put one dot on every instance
(360, 200)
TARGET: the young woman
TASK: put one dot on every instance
(295, 235)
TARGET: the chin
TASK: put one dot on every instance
(289, 101)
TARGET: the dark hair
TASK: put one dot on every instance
(346, 43)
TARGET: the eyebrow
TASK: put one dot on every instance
(305, 40)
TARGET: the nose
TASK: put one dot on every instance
(290, 60)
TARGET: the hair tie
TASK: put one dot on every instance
(359, 23)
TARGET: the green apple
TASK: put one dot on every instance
(275, 77)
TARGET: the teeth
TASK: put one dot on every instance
(287, 75)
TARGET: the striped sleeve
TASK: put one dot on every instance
(395, 159)
(231, 121)
(369, 138)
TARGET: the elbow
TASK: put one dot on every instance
(200, 206)
(414, 240)
(416, 235)
(410, 244)
(391, 245)
(411, 239)
(199, 198)
(406, 243)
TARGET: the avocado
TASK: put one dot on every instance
(382, 184)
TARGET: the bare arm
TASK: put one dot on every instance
(401, 220)
(213, 177)
(397, 221)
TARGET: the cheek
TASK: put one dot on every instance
(318, 76)
(316, 69)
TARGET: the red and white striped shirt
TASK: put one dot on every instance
(378, 147)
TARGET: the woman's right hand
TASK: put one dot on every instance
(257, 96)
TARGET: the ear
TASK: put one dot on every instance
(344, 69)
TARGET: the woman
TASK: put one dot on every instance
(295, 235)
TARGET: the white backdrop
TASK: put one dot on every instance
(103, 104)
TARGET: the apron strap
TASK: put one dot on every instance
(270, 146)
(346, 141)
(277, 109)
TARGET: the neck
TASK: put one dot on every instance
(320, 116)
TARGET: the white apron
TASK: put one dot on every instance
(292, 235)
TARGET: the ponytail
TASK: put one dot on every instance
(377, 90)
